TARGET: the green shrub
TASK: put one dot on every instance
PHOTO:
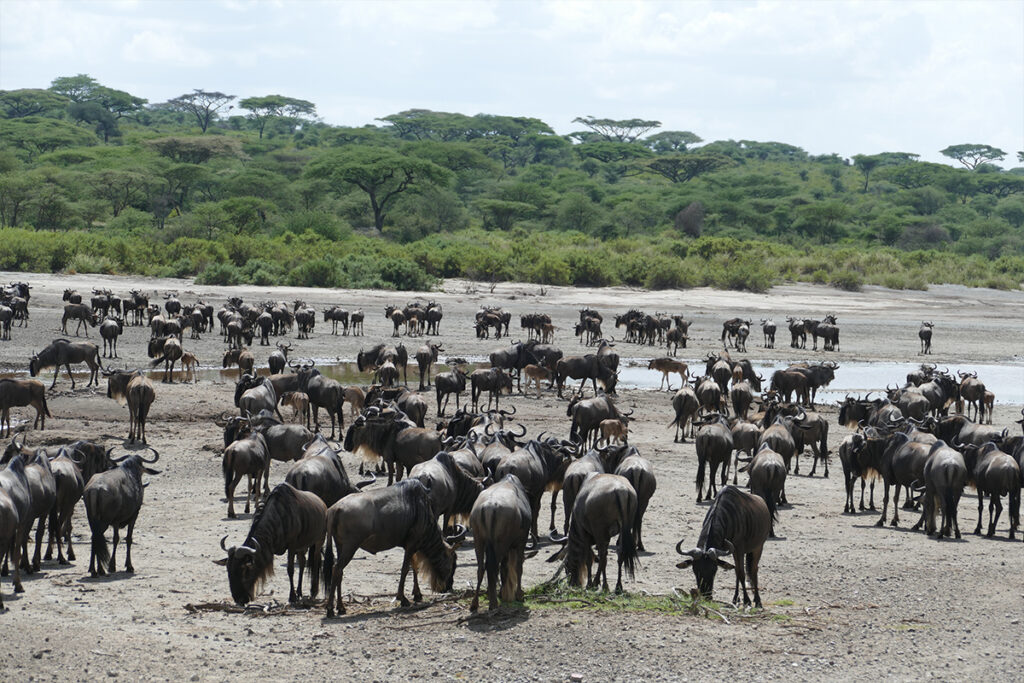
(89, 263)
(849, 280)
(219, 274)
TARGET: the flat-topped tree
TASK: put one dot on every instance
(625, 130)
(973, 155)
(263, 109)
(202, 104)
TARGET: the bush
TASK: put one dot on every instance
(849, 280)
(219, 274)
(89, 263)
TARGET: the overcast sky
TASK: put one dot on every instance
(827, 76)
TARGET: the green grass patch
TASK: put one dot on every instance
(560, 596)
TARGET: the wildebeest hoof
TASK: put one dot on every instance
(130, 569)
(880, 522)
(404, 601)
(19, 588)
(894, 523)
(63, 561)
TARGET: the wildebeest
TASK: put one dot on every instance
(299, 403)
(640, 474)
(667, 366)
(492, 380)
(381, 519)
(818, 375)
(289, 521)
(767, 479)
(426, 356)
(320, 471)
(972, 391)
(278, 359)
(737, 523)
(605, 506)
(534, 374)
(15, 393)
(500, 520)
(709, 395)
(798, 333)
(135, 389)
(583, 368)
(83, 314)
(166, 350)
(452, 492)
(42, 495)
(10, 541)
(901, 464)
(714, 449)
(613, 430)
(335, 315)
(587, 415)
(65, 352)
(540, 465)
(925, 333)
(685, 405)
(392, 437)
(113, 499)
(256, 394)
(994, 473)
(856, 465)
(241, 357)
(447, 383)
(323, 392)
(768, 327)
(943, 478)
(247, 456)
(778, 434)
(110, 330)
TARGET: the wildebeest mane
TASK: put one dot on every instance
(429, 557)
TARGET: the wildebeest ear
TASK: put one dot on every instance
(685, 563)
(222, 561)
(725, 565)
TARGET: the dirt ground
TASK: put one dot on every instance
(843, 599)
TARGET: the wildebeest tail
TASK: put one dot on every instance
(157, 361)
(313, 562)
(227, 467)
(99, 548)
(627, 544)
(46, 409)
(328, 565)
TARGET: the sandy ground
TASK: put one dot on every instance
(843, 599)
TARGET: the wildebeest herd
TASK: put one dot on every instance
(477, 473)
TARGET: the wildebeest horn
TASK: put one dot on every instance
(222, 546)
(522, 433)
(156, 456)
(692, 553)
(631, 411)
(541, 436)
(246, 550)
(460, 533)
(506, 413)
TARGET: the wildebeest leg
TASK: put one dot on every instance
(896, 507)
(128, 539)
(981, 512)
(994, 500)
(53, 537)
(482, 549)
(112, 567)
(230, 492)
(885, 507)
(345, 555)
(40, 530)
(909, 504)
(66, 530)
(554, 501)
(406, 561)
(291, 577)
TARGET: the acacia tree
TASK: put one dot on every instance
(202, 104)
(973, 155)
(681, 168)
(383, 174)
(17, 104)
(262, 109)
(867, 163)
(671, 141)
(625, 130)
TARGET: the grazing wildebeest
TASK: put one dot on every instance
(110, 330)
(381, 519)
(767, 479)
(15, 393)
(925, 333)
(685, 405)
(113, 499)
(994, 473)
(583, 368)
(83, 314)
(135, 389)
(587, 415)
(65, 352)
(500, 520)
(289, 521)
(605, 506)
(737, 523)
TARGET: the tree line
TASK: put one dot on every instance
(249, 189)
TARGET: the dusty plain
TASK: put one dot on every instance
(843, 599)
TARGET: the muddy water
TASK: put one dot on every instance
(1005, 381)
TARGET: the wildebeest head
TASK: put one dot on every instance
(705, 563)
(245, 573)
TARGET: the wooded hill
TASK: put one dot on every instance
(258, 190)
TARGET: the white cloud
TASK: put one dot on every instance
(164, 49)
